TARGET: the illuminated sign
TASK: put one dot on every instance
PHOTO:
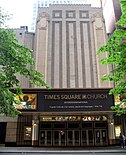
(72, 118)
(28, 102)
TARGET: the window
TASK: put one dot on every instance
(27, 133)
(45, 125)
(100, 125)
(59, 125)
(117, 131)
(73, 125)
(87, 125)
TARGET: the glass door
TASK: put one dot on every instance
(59, 138)
(104, 137)
(101, 137)
(73, 138)
(87, 137)
(49, 137)
(76, 137)
(45, 138)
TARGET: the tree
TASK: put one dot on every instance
(116, 49)
(14, 58)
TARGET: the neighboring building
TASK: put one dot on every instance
(67, 38)
(112, 13)
(25, 38)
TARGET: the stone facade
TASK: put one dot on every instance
(25, 38)
(67, 38)
(112, 13)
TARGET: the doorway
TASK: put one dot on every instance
(45, 138)
(87, 137)
(2, 132)
(73, 134)
(73, 138)
(100, 137)
(59, 138)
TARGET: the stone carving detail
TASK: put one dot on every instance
(42, 20)
(99, 21)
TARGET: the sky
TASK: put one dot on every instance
(21, 11)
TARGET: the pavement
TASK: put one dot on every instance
(114, 149)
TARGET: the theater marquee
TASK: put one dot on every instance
(61, 101)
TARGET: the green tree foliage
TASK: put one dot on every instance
(14, 58)
(116, 49)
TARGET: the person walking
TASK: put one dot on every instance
(122, 140)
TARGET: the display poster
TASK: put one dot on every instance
(28, 102)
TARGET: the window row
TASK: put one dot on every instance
(70, 14)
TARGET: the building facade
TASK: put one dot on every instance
(77, 111)
(67, 38)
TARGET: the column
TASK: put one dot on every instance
(111, 130)
(35, 132)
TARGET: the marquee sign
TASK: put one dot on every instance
(61, 101)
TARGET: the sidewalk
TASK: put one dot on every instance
(115, 149)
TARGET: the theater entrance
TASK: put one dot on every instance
(73, 133)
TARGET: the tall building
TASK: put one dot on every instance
(67, 38)
(25, 38)
(46, 3)
(112, 13)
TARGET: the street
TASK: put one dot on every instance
(62, 153)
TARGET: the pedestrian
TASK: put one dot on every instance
(122, 140)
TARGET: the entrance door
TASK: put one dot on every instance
(87, 137)
(73, 137)
(101, 137)
(45, 138)
(59, 138)
(2, 132)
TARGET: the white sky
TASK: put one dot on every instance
(21, 11)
